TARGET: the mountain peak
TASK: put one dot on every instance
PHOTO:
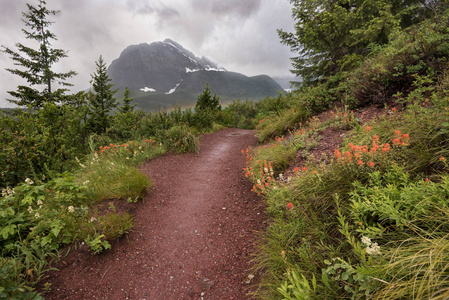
(166, 67)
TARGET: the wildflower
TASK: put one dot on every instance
(368, 128)
(29, 181)
(393, 109)
(265, 170)
(386, 148)
(304, 169)
(71, 209)
(281, 177)
(39, 202)
(371, 164)
(296, 169)
(373, 249)
(86, 182)
(360, 163)
(397, 133)
(338, 154)
(348, 155)
(442, 158)
(396, 142)
(290, 206)
(258, 181)
(243, 151)
(405, 139)
(366, 240)
(30, 209)
(37, 215)
(93, 219)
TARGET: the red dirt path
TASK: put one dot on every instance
(193, 235)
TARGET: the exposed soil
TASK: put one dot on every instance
(194, 234)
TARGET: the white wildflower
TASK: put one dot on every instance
(258, 181)
(265, 170)
(71, 209)
(373, 249)
(39, 202)
(29, 181)
(366, 240)
(30, 209)
(86, 182)
(281, 177)
(37, 215)
(288, 179)
(93, 219)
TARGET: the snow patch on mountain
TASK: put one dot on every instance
(173, 89)
(147, 89)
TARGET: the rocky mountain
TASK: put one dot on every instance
(164, 73)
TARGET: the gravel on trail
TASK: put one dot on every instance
(194, 236)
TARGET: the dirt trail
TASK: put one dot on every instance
(193, 236)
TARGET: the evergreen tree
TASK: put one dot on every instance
(126, 107)
(333, 36)
(206, 101)
(37, 63)
(101, 101)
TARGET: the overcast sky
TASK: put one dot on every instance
(238, 34)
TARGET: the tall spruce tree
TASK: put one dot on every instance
(102, 101)
(37, 64)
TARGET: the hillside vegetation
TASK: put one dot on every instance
(368, 221)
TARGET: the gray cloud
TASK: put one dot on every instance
(236, 8)
(240, 35)
(148, 7)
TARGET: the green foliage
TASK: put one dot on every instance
(297, 287)
(97, 244)
(239, 114)
(126, 107)
(38, 64)
(40, 144)
(277, 126)
(332, 36)
(181, 139)
(102, 101)
(206, 101)
(407, 65)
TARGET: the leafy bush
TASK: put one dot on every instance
(180, 139)
(418, 51)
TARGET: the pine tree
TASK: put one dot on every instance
(333, 36)
(37, 63)
(206, 101)
(127, 107)
(102, 101)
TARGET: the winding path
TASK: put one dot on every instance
(193, 237)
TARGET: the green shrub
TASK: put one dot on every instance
(181, 139)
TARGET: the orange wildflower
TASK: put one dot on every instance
(290, 206)
(304, 169)
(296, 169)
(371, 164)
(368, 128)
(360, 163)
